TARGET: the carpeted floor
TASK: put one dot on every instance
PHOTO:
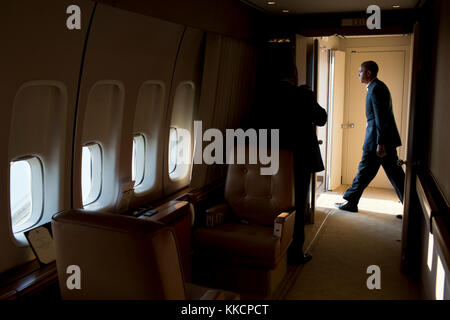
(344, 245)
(311, 233)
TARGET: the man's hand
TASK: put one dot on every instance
(381, 152)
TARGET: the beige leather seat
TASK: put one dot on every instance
(120, 258)
(244, 253)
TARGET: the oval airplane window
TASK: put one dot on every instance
(20, 192)
(173, 149)
(91, 173)
(25, 193)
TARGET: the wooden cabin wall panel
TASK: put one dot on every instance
(434, 265)
(227, 95)
(245, 84)
(432, 138)
(228, 17)
(131, 49)
(37, 46)
(206, 109)
(237, 92)
(188, 69)
(439, 155)
(435, 281)
(428, 149)
(236, 101)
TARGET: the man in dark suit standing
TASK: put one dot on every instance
(295, 112)
(382, 139)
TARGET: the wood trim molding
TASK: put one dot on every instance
(168, 212)
(25, 282)
(197, 195)
(430, 197)
(426, 201)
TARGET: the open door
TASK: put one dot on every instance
(313, 82)
(335, 119)
(323, 95)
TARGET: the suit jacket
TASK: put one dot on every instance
(295, 112)
(381, 127)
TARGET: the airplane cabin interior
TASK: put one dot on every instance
(117, 184)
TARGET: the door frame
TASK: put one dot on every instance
(331, 114)
(311, 198)
(412, 220)
(324, 139)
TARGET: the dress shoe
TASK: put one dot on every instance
(299, 258)
(347, 206)
(399, 216)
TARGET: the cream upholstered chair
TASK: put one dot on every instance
(244, 243)
(122, 258)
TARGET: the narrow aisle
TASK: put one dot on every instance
(349, 243)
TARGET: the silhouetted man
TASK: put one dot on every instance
(294, 111)
(382, 139)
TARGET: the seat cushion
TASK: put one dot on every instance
(252, 245)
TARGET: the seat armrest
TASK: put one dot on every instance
(216, 215)
(281, 218)
(284, 228)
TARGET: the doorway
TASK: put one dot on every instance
(330, 96)
(323, 93)
(330, 65)
(392, 71)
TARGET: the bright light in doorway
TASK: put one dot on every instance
(430, 251)
(440, 280)
(328, 200)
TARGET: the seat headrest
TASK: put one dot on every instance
(114, 222)
(260, 198)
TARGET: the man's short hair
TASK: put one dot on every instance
(284, 70)
(371, 66)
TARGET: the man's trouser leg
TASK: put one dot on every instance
(302, 180)
(367, 170)
(394, 172)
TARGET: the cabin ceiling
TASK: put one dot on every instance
(327, 6)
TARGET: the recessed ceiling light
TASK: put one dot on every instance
(396, 6)
(271, 2)
(285, 11)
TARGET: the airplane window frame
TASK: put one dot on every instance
(138, 159)
(182, 153)
(36, 183)
(171, 152)
(182, 113)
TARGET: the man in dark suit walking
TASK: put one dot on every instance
(382, 139)
(295, 112)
